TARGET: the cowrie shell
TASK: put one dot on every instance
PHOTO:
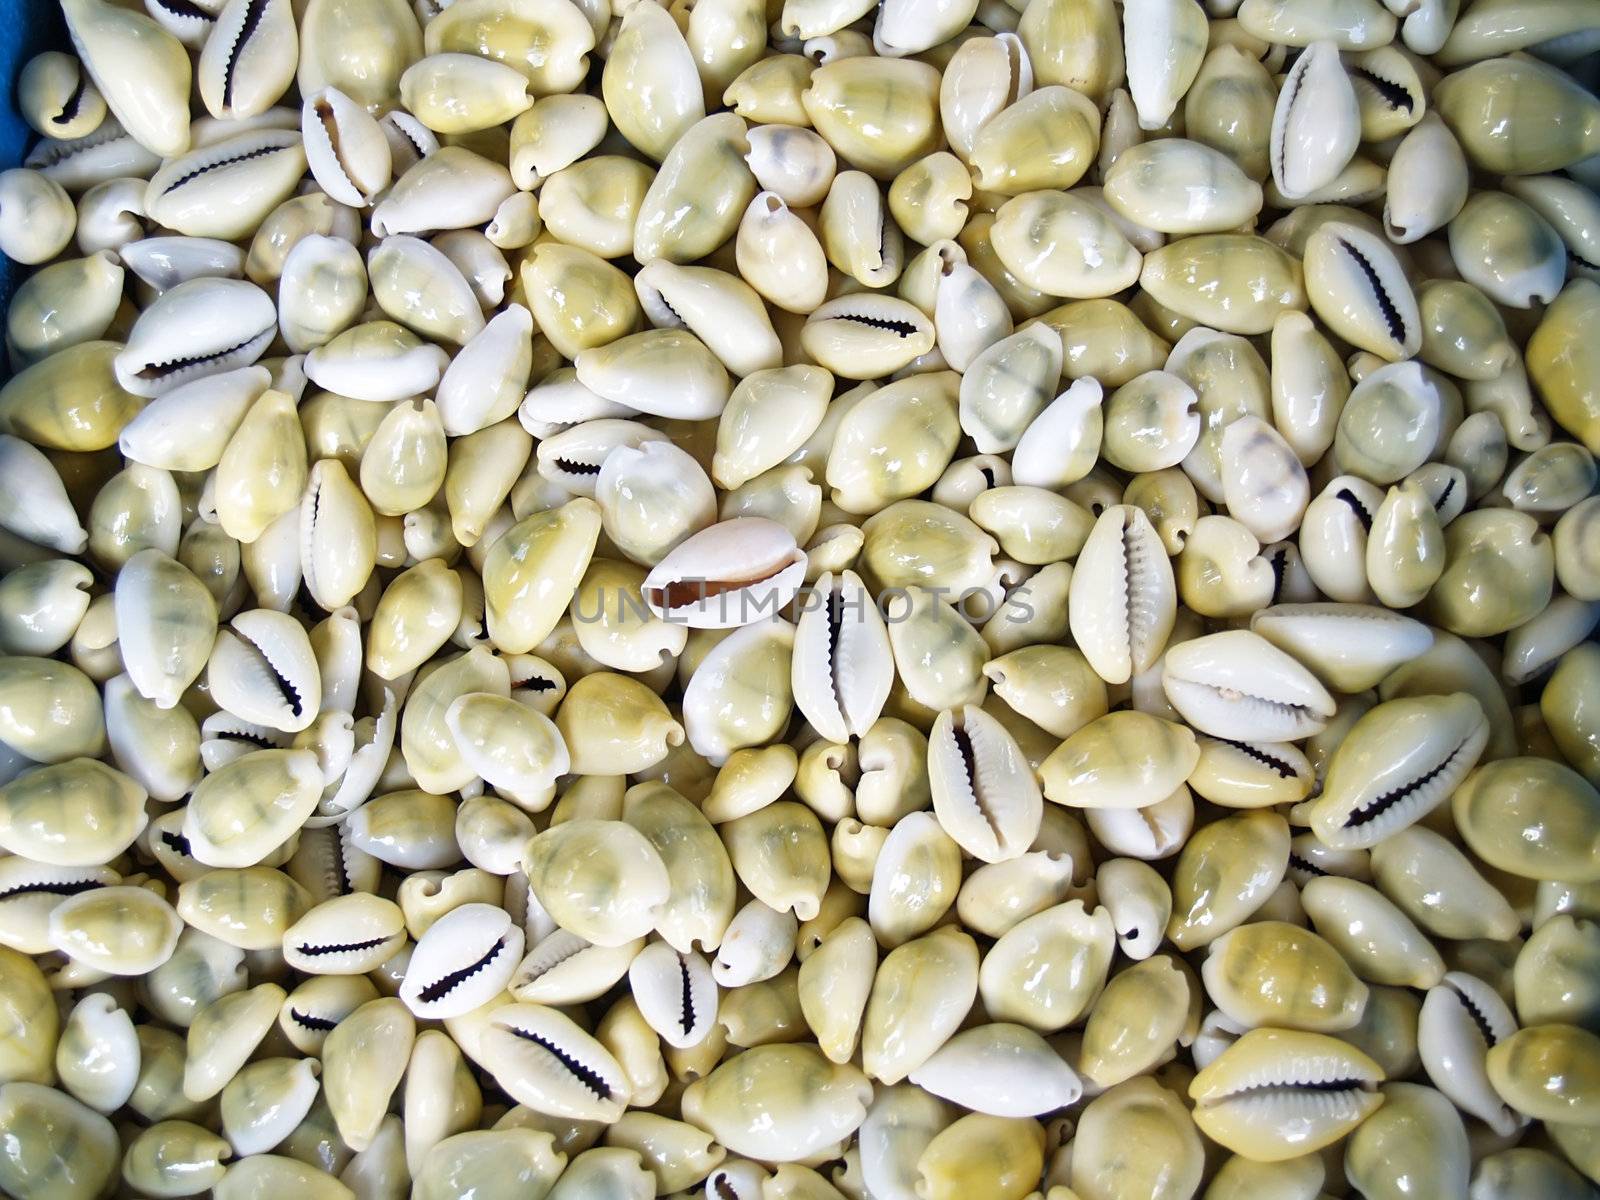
(675, 993)
(462, 962)
(984, 792)
(193, 330)
(544, 1060)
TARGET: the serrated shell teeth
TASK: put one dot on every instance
(196, 329)
(1316, 126)
(1123, 597)
(675, 993)
(462, 962)
(225, 190)
(249, 58)
(544, 1060)
(984, 793)
(1239, 686)
(1462, 1018)
(563, 968)
(346, 148)
(1357, 286)
(1398, 762)
(348, 935)
(263, 671)
(1350, 647)
(843, 664)
(29, 891)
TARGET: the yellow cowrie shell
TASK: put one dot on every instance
(1234, 282)
(140, 69)
(242, 812)
(1230, 107)
(1272, 973)
(229, 189)
(37, 507)
(1316, 124)
(903, 96)
(554, 134)
(262, 472)
(1553, 976)
(1139, 1112)
(158, 1094)
(264, 1102)
(376, 361)
(1213, 194)
(1547, 808)
(1551, 480)
(1121, 760)
(780, 1103)
(1355, 24)
(1033, 525)
(1379, 941)
(1263, 483)
(1046, 139)
(861, 479)
(1569, 207)
(928, 199)
(1504, 247)
(781, 855)
(1169, 499)
(1123, 595)
(663, 372)
(739, 695)
(697, 198)
(769, 415)
(761, 1014)
(578, 299)
(515, 749)
(602, 880)
(247, 908)
(914, 879)
(1390, 423)
(547, 43)
(1221, 570)
(1548, 1072)
(1046, 971)
(982, 1155)
(363, 1059)
(338, 537)
(489, 1162)
(1007, 385)
(1499, 572)
(1427, 181)
(49, 711)
(56, 97)
(1052, 686)
(98, 1055)
(651, 84)
(222, 1037)
(1241, 774)
(118, 930)
(1405, 547)
(834, 985)
(533, 570)
(360, 49)
(793, 163)
(1076, 43)
(1225, 872)
(462, 93)
(938, 656)
(419, 287)
(913, 542)
(483, 467)
(718, 308)
(867, 335)
(768, 91)
(248, 61)
(57, 1147)
(856, 230)
(29, 1020)
(39, 324)
(1415, 1144)
(613, 724)
(1558, 358)
(678, 1154)
(805, 19)
(1356, 285)
(166, 624)
(1524, 1171)
(70, 400)
(175, 1158)
(1063, 246)
(260, 1176)
(1135, 1023)
(138, 507)
(415, 616)
(1568, 706)
(1518, 116)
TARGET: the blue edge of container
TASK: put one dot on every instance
(26, 28)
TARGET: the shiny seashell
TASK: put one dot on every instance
(201, 328)
(109, 215)
(1045, 139)
(1264, 485)
(1422, 1141)
(1123, 595)
(1224, 874)
(860, 479)
(1273, 974)
(1063, 246)
(1349, 647)
(780, 256)
(1531, 800)
(1321, 1088)
(544, 1060)
(1427, 182)
(1079, 46)
(1273, 698)
(675, 993)
(166, 626)
(903, 93)
(451, 188)
(1354, 24)
(1139, 1109)
(421, 288)
(1004, 1070)
(1122, 760)
(140, 69)
(599, 879)
(248, 60)
(905, 27)
(1519, 116)
(62, 1148)
(1437, 887)
(1504, 247)
(695, 202)
(574, 458)
(453, 93)
(1357, 287)
(55, 96)
(652, 496)
(240, 813)
(345, 149)
(928, 200)
(347, 935)
(1164, 43)
(1181, 187)
(37, 324)
(843, 669)
(464, 960)
(533, 570)
(711, 305)
(1060, 445)
(118, 930)
(262, 671)
(866, 336)
(1230, 107)
(769, 416)
(1546, 1072)
(265, 1102)
(664, 372)
(321, 291)
(737, 697)
(32, 891)
(1462, 1018)
(1238, 283)
(1316, 126)
(757, 944)
(226, 190)
(555, 133)
(188, 427)
(516, 749)
(410, 141)
(1389, 91)
(983, 793)
(97, 1057)
(1374, 936)
(1046, 971)
(793, 163)
(913, 877)
(1557, 361)
(726, 575)
(564, 969)
(651, 85)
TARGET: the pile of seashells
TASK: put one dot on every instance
(803, 600)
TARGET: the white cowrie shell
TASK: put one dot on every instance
(1165, 41)
(675, 993)
(140, 69)
(984, 793)
(347, 935)
(34, 501)
(377, 361)
(544, 1060)
(249, 58)
(1264, 485)
(1060, 445)
(462, 962)
(226, 190)
(574, 458)
(188, 427)
(486, 380)
(345, 149)
(1356, 285)
(1462, 1018)
(1001, 1069)
(843, 667)
(791, 162)
(1316, 125)
(727, 575)
(196, 329)
(97, 1057)
(1123, 597)
(1239, 686)
(450, 188)
(1427, 182)
(262, 670)
(562, 968)
(108, 215)
(758, 944)
(665, 372)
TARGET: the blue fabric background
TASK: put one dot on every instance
(26, 27)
